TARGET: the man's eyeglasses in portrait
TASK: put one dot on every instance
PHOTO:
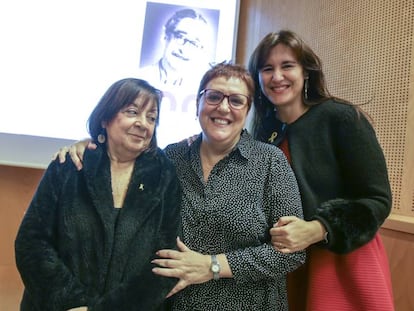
(180, 38)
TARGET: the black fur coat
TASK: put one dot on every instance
(74, 249)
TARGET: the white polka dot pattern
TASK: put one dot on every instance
(231, 213)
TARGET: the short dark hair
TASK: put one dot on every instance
(172, 22)
(228, 70)
(119, 95)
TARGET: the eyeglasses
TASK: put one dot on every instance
(182, 40)
(214, 98)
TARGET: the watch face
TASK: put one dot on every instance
(215, 268)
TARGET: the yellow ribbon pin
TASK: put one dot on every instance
(272, 137)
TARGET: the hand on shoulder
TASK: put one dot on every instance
(75, 151)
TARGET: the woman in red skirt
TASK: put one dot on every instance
(342, 176)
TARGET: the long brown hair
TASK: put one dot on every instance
(317, 91)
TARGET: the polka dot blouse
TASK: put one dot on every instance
(231, 213)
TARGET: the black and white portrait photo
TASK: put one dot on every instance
(178, 44)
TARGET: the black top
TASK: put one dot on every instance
(341, 172)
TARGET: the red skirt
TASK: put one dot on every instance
(356, 281)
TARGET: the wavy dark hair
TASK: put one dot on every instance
(171, 24)
(119, 95)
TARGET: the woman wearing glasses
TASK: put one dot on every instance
(234, 189)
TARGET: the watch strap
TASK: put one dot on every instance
(215, 267)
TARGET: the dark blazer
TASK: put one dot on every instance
(74, 249)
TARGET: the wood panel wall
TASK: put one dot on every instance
(17, 185)
(367, 48)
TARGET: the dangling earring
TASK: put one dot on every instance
(102, 137)
(306, 87)
(260, 99)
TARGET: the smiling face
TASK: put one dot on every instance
(222, 124)
(130, 132)
(184, 46)
(282, 78)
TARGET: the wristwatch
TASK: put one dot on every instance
(215, 267)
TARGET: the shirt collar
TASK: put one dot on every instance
(243, 147)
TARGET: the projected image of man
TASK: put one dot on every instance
(184, 49)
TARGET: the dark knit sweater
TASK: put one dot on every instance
(73, 249)
(340, 169)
